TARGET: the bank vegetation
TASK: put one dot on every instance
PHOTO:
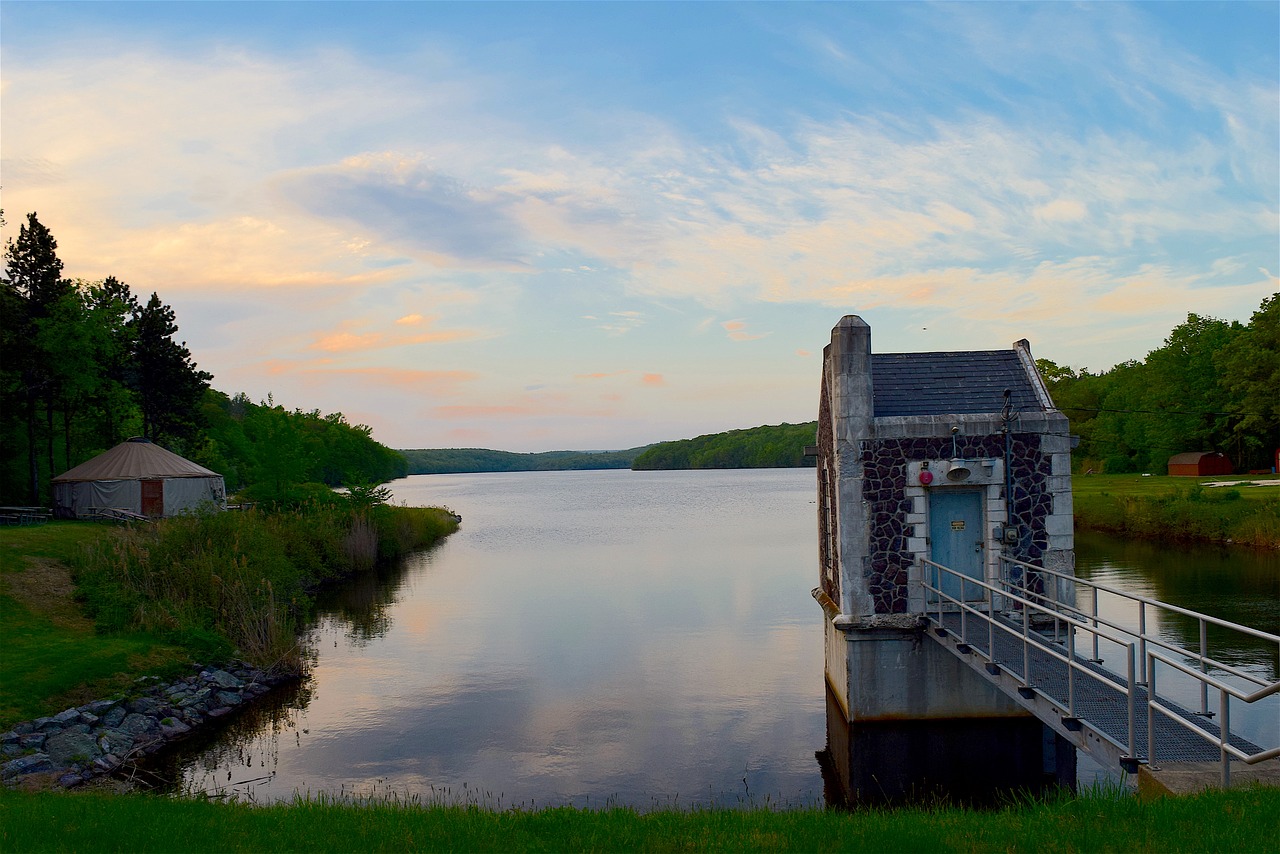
(244, 583)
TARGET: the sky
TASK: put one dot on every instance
(541, 226)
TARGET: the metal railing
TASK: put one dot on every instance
(1022, 598)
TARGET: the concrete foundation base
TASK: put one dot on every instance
(889, 673)
(1187, 778)
(973, 761)
(908, 722)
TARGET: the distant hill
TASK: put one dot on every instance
(779, 446)
(470, 460)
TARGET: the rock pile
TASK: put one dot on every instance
(97, 738)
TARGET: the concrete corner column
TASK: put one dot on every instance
(852, 410)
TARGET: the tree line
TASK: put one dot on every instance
(1214, 385)
(85, 365)
(778, 446)
(466, 460)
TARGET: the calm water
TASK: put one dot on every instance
(588, 638)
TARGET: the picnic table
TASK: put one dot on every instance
(24, 515)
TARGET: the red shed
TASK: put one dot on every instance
(1199, 464)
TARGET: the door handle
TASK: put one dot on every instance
(977, 547)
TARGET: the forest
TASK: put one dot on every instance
(779, 446)
(467, 460)
(85, 365)
(1214, 385)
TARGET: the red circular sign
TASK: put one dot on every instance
(926, 477)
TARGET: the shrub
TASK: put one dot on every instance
(243, 581)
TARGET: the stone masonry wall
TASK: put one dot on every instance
(884, 463)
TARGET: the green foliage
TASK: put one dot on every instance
(364, 497)
(279, 451)
(780, 446)
(50, 655)
(166, 381)
(1167, 509)
(243, 580)
(1210, 387)
(467, 460)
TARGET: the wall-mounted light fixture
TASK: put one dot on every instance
(958, 471)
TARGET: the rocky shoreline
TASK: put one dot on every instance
(99, 738)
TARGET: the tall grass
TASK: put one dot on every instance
(1193, 514)
(243, 583)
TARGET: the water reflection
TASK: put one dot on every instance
(366, 605)
(1236, 584)
(644, 639)
(589, 638)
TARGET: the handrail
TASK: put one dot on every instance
(1101, 627)
(1069, 659)
(1204, 620)
(1142, 634)
(1075, 579)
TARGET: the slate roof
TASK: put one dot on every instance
(135, 459)
(961, 383)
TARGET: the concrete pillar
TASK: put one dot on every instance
(852, 408)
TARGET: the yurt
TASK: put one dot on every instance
(139, 477)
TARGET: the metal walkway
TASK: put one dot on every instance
(1027, 636)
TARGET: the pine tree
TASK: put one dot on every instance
(166, 382)
(33, 285)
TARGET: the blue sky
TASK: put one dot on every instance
(535, 226)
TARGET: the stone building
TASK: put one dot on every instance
(954, 457)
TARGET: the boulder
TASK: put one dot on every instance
(68, 747)
(171, 728)
(223, 679)
(99, 707)
(25, 765)
(140, 725)
(115, 741)
(144, 706)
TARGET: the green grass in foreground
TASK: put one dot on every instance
(1241, 820)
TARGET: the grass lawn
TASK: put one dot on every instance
(1159, 486)
(50, 656)
(1240, 820)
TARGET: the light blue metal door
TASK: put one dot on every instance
(955, 539)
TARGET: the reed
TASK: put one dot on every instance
(242, 583)
(1193, 514)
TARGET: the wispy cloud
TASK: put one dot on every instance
(348, 338)
(738, 331)
(1076, 175)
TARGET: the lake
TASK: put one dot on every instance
(645, 639)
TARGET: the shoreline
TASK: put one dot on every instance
(106, 737)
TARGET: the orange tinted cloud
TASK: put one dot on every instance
(652, 379)
(346, 341)
(737, 330)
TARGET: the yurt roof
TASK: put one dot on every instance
(135, 459)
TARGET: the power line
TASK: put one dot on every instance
(1158, 411)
